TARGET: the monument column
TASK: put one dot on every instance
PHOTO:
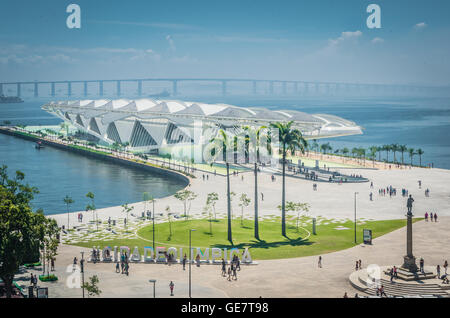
(409, 259)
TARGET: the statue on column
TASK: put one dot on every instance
(409, 204)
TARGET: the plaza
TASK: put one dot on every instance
(294, 277)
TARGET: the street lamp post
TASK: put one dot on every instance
(154, 283)
(82, 271)
(355, 215)
(190, 261)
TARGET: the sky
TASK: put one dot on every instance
(309, 40)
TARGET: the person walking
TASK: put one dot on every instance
(229, 273)
(31, 279)
(435, 217)
(438, 271)
(117, 267)
(224, 268)
(171, 286)
(422, 263)
(359, 263)
(320, 262)
(234, 273)
(184, 262)
(357, 266)
(426, 216)
(431, 216)
(52, 264)
(445, 266)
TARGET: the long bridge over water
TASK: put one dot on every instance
(225, 87)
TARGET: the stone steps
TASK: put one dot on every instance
(359, 281)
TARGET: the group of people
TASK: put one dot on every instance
(389, 190)
(235, 266)
(431, 216)
(393, 273)
(124, 265)
(205, 177)
(33, 280)
(80, 217)
(358, 265)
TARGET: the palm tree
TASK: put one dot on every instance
(420, 152)
(373, 153)
(68, 201)
(395, 148)
(345, 151)
(257, 146)
(224, 141)
(291, 140)
(387, 148)
(379, 150)
(91, 207)
(402, 149)
(411, 154)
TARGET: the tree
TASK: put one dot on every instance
(395, 148)
(411, 153)
(211, 200)
(345, 151)
(420, 152)
(185, 196)
(402, 149)
(91, 207)
(259, 135)
(299, 207)
(387, 148)
(127, 209)
(19, 235)
(68, 201)
(223, 142)
(170, 221)
(207, 211)
(373, 153)
(244, 202)
(92, 286)
(50, 241)
(291, 140)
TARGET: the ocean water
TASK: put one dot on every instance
(417, 122)
(57, 173)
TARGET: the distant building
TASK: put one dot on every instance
(169, 126)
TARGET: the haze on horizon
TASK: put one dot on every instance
(290, 40)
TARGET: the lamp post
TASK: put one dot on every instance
(82, 271)
(154, 283)
(190, 261)
(355, 215)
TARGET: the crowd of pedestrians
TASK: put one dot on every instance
(231, 271)
(432, 216)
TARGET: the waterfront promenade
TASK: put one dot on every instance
(331, 200)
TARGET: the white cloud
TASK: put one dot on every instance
(345, 36)
(377, 40)
(421, 25)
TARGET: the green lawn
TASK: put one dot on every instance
(272, 244)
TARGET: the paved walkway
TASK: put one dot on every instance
(297, 277)
(331, 200)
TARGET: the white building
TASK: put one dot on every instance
(151, 125)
